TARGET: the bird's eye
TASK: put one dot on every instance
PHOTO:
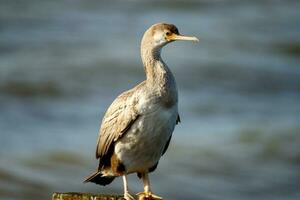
(168, 33)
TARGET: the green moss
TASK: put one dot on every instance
(85, 196)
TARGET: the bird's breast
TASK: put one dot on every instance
(158, 100)
(142, 146)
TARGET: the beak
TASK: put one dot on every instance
(183, 37)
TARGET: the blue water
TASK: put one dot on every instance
(63, 62)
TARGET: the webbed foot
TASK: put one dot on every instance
(148, 196)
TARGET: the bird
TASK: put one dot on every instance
(137, 127)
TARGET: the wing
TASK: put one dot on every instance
(116, 122)
(169, 140)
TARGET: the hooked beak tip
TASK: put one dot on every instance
(196, 39)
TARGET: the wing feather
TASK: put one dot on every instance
(117, 120)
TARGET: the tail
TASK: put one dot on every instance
(98, 178)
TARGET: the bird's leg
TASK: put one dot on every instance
(127, 195)
(147, 194)
(146, 182)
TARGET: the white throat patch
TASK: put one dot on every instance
(159, 38)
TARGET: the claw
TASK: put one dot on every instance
(128, 196)
(148, 196)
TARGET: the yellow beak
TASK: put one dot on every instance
(183, 37)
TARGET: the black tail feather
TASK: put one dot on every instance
(98, 178)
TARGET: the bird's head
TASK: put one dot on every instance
(160, 34)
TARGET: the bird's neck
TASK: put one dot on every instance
(157, 72)
(160, 79)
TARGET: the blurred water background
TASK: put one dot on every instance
(63, 62)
